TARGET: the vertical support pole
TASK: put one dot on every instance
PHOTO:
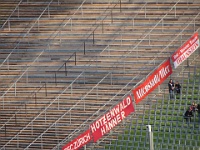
(45, 116)
(66, 68)
(120, 5)
(45, 85)
(194, 25)
(27, 76)
(17, 141)
(15, 119)
(93, 37)
(82, 11)
(15, 89)
(38, 24)
(162, 25)
(58, 103)
(84, 47)
(145, 15)
(8, 64)
(121, 39)
(8, 25)
(25, 109)
(133, 22)
(3, 102)
(97, 92)
(48, 12)
(149, 39)
(18, 11)
(71, 23)
(102, 26)
(75, 58)
(111, 80)
(60, 36)
(55, 79)
(71, 90)
(70, 119)
(151, 147)
(5, 130)
(175, 11)
(41, 143)
(35, 99)
(32, 128)
(111, 17)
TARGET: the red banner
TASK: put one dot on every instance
(152, 81)
(80, 141)
(185, 50)
(111, 118)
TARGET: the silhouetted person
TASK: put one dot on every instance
(177, 87)
(171, 88)
(188, 114)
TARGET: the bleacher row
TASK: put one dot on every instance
(47, 104)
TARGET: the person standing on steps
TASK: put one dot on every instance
(171, 88)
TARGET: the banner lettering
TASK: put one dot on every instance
(111, 118)
(185, 50)
(80, 141)
(152, 81)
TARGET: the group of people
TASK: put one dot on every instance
(191, 110)
(174, 88)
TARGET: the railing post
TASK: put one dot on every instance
(71, 90)
(145, 15)
(5, 130)
(84, 47)
(81, 11)
(45, 86)
(3, 102)
(8, 64)
(17, 141)
(55, 79)
(32, 128)
(45, 118)
(111, 16)
(102, 26)
(35, 99)
(133, 22)
(48, 12)
(111, 80)
(194, 24)
(71, 23)
(66, 68)
(27, 76)
(149, 39)
(75, 58)
(38, 25)
(70, 117)
(18, 12)
(58, 103)
(120, 5)
(175, 11)
(41, 143)
(15, 119)
(93, 36)
(8, 25)
(25, 109)
(15, 89)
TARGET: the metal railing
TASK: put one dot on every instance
(30, 65)
(125, 86)
(57, 34)
(8, 19)
(136, 76)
